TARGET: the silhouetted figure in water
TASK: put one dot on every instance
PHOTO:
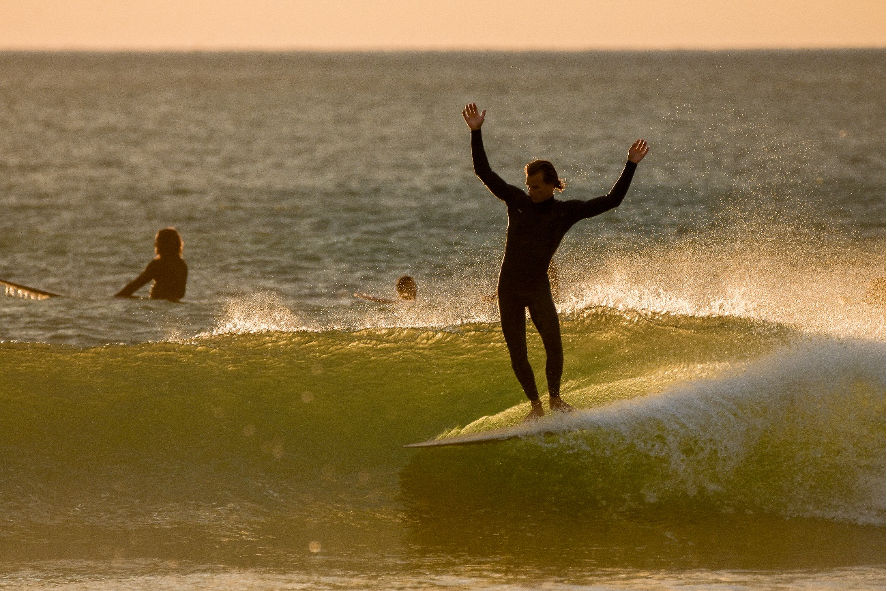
(537, 222)
(405, 287)
(168, 270)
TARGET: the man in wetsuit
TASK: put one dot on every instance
(536, 224)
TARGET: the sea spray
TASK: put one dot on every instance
(798, 433)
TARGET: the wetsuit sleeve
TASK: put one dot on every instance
(490, 179)
(599, 205)
(134, 285)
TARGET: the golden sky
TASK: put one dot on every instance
(439, 24)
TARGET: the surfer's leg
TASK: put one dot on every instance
(544, 315)
(514, 329)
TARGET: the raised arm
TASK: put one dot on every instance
(599, 205)
(497, 186)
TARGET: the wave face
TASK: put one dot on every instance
(241, 441)
(798, 433)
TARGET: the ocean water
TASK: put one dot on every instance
(724, 328)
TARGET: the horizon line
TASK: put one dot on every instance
(675, 49)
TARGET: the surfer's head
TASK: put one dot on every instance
(542, 180)
(168, 243)
(406, 288)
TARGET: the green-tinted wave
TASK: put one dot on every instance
(239, 433)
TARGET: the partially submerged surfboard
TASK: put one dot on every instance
(16, 290)
(22, 291)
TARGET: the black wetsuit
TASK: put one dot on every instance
(535, 230)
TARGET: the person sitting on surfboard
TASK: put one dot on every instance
(537, 222)
(405, 287)
(168, 270)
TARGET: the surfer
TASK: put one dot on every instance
(168, 270)
(537, 222)
(405, 288)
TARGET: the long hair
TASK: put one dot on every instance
(549, 174)
(168, 243)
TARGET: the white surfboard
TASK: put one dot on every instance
(22, 291)
(548, 424)
(468, 439)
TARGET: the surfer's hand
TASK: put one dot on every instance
(637, 151)
(474, 119)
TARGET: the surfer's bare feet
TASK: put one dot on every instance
(536, 411)
(559, 405)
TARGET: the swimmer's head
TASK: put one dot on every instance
(168, 243)
(542, 180)
(406, 288)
